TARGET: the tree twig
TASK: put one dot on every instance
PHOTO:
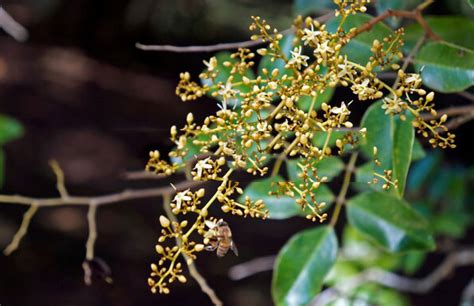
(249, 268)
(217, 47)
(415, 15)
(398, 282)
(127, 194)
(341, 198)
(25, 223)
(13, 28)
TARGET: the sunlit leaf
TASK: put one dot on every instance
(446, 68)
(393, 138)
(280, 207)
(358, 49)
(330, 167)
(225, 73)
(302, 264)
(10, 129)
(390, 222)
(452, 29)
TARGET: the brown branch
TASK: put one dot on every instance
(127, 194)
(467, 95)
(415, 15)
(191, 266)
(217, 47)
(249, 268)
(398, 282)
(450, 111)
(457, 122)
(341, 198)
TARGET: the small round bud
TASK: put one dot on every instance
(165, 222)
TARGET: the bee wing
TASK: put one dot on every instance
(233, 247)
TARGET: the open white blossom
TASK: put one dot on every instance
(298, 59)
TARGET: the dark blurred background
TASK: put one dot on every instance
(89, 99)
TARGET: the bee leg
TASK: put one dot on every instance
(210, 248)
(233, 247)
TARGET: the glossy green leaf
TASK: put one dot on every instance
(446, 68)
(306, 7)
(452, 29)
(280, 207)
(304, 102)
(286, 46)
(382, 6)
(394, 140)
(320, 138)
(225, 73)
(302, 264)
(471, 3)
(330, 167)
(418, 151)
(403, 138)
(10, 129)
(389, 221)
(358, 49)
(451, 224)
(412, 261)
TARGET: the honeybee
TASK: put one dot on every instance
(219, 237)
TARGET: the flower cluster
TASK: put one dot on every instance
(262, 118)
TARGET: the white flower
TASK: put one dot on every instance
(202, 166)
(345, 69)
(262, 126)
(363, 90)
(297, 59)
(342, 111)
(310, 36)
(323, 50)
(181, 197)
(227, 93)
(212, 64)
(412, 81)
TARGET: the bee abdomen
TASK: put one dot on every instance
(222, 250)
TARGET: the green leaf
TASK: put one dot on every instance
(302, 265)
(390, 222)
(306, 7)
(412, 261)
(286, 45)
(382, 6)
(452, 224)
(471, 3)
(452, 29)
(320, 138)
(394, 140)
(358, 49)
(446, 68)
(225, 73)
(330, 166)
(418, 151)
(402, 151)
(10, 129)
(304, 102)
(280, 207)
